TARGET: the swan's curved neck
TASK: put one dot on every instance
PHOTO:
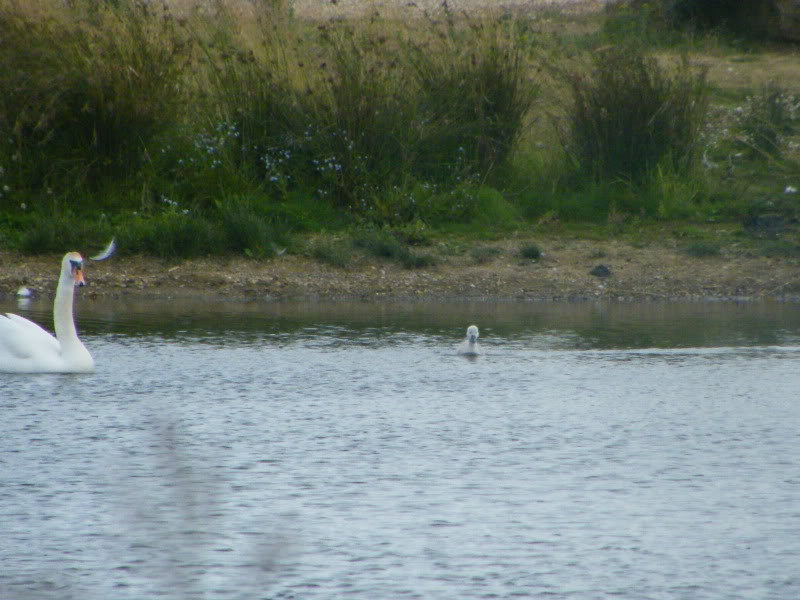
(62, 311)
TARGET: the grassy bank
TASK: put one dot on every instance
(250, 131)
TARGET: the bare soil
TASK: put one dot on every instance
(321, 9)
(658, 271)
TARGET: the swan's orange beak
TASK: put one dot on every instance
(77, 274)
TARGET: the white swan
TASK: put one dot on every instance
(470, 347)
(27, 348)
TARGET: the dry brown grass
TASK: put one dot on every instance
(751, 71)
(328, 9)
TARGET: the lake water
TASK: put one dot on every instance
(316, 451)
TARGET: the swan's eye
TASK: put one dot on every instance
(76, 265)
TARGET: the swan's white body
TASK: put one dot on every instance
(470, 346)
(27, 348)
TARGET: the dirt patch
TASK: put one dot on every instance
(320, 9)
(657, 272)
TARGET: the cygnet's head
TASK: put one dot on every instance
(472, 334)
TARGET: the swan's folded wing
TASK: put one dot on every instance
(22, 338)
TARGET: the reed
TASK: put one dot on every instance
(229, 127)
(630, 115)
(351, 111)
(766, 120)
(87, 88)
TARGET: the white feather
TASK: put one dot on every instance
(107, 253)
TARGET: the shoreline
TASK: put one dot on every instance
(657, 272)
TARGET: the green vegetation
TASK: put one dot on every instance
(702, 249)
(781, 248)
(530, 252)
(629, 117)
(484, 254)
(330, 252)
(246, 130)
(384, 245)
(736, 17)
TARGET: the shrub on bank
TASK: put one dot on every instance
(226, 131)
(630, 115)
(749, 18)
(171, 235)
(356, 112)
(85, 92)
(44, 233)
(766, 119)
(381, 244)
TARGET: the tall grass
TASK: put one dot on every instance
(352, 112)
(53, 232)
(630, 115)
(743, 17)
(766, 119)
(85, 92)
(630, 131)
(230, 126)
(381, 244)
(661, 20)
(474, 97)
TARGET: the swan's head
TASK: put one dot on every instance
(472, 334)
(72, 267)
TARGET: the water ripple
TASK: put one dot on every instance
(322, 460)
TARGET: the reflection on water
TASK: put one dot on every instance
(567, 325)
(328, 451)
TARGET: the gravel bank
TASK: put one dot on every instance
(660, 271)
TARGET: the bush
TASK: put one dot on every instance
(484, 254)
(493, 211)
(330, 253)
(409, 260)
(670, 195)
(765, 119)
(739, 16)
(390, 125)
(246, 231)
(780, 248)
(643, 21)
(702, 249)
(170, 235)
(750, 18)
(530, 252)
(335, 124)
(85, 90)
(465, 204)
(592, 202)
(60, 231)
(630, 116)
(362, 113)
(704, 14)
(379, 244)
(474, 98)
(384, 245)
